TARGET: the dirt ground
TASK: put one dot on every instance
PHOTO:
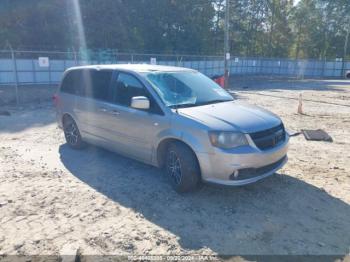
(54, 200)
(26, 94)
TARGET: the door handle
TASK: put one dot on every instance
(102, 109)
(115, 112)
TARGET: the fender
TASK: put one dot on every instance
(183, 136)
(180, 135)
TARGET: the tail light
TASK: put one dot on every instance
(56, 100)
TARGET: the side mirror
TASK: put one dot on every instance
(140, 102)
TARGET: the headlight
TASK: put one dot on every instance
(227, 139)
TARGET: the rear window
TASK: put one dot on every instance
(90, 83)
(71, 83)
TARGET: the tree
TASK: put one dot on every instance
(273, 28)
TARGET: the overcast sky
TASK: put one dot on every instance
(296, 2)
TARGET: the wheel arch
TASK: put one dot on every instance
(164, 145)
(67, 115)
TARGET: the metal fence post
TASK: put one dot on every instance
(75, 57)
(34, 73)
(15, 75)
(50, 73)
(323, 67)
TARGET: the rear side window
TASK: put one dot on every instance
(88, 82)
(71, 83)
(96, 83)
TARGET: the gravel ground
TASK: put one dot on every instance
(54, 200)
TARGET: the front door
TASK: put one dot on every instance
(134, 130)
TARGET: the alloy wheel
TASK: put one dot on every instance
(174, 167)
(71, 132)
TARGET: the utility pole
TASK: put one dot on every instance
(226, 40)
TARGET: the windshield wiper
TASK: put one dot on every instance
(182, 105)
(213, 102)
(200, 104)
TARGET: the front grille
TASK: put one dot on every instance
(269, 138)
(247, 173)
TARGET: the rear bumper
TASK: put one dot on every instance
(251, 163)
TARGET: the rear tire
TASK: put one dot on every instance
(72, 133)
(182, 168)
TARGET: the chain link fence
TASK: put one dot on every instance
(26, 68)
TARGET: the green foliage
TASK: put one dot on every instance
(320, 28)
(273, 28)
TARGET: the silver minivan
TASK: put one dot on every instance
(173, 118)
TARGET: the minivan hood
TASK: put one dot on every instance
(235, 116)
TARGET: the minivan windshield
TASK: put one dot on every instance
(186, 89)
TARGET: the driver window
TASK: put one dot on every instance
(126, 87)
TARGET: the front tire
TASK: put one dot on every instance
(72, 133)
(182, 168)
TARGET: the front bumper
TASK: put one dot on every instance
(218, 167)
